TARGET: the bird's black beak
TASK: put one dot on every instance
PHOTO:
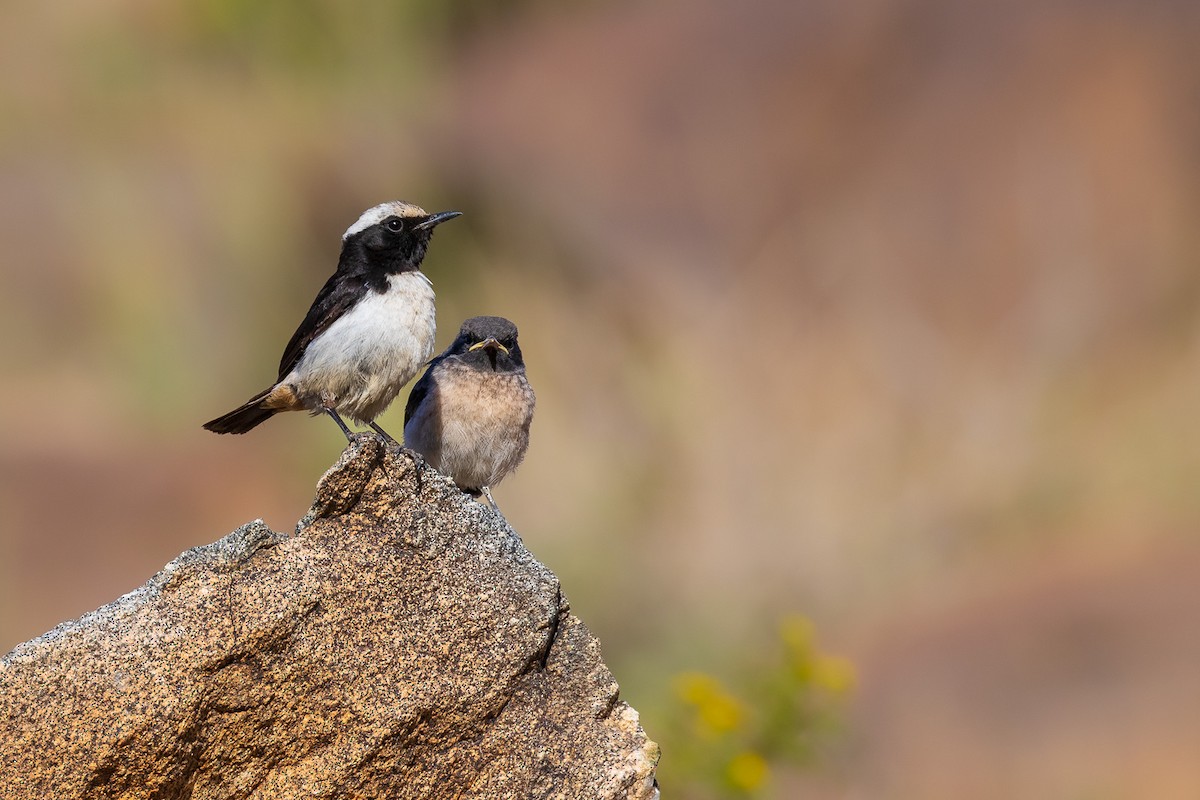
(433, 220)
(489, 344)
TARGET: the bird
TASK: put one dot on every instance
(369, 331)
(469, 414)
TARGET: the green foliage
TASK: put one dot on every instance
(723, 741)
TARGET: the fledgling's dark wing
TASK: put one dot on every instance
(420, 389)
(338, 294)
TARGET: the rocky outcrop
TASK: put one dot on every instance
(402, 643)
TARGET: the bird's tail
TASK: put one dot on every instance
(244, 417)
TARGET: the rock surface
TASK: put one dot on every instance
(402, 643)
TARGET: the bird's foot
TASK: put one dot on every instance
(387, 437)
(396, 450)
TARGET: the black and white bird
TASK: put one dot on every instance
(469, 415)
(368, 332)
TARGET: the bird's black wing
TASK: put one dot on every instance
(336, 297)
(420, 389)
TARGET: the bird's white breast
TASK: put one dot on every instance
(361, 362)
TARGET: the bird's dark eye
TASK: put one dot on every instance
(395, 224)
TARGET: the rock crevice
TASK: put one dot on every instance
(401, 643)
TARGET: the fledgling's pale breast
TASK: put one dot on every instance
(473, 425)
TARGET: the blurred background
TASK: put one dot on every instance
(865, 339)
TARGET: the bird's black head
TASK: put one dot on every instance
(388, 239)
(489, 343)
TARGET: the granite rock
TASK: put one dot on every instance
(402, 643)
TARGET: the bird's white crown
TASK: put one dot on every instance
(373, 216)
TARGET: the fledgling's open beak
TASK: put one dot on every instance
(489, 344)
(436, 219)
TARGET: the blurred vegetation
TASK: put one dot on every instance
(781, 710)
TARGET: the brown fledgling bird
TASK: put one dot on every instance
(470, 413)
(368, 332)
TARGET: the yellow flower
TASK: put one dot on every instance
(797, 633)
(747, 771)
(695, 687)
(722, 713)
(834, 674)
(717, 711)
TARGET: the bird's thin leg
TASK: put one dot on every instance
(342, 425)
(487, 492)
(386, 436)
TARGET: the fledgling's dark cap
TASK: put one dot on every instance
(497, 328)
(488, 343)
